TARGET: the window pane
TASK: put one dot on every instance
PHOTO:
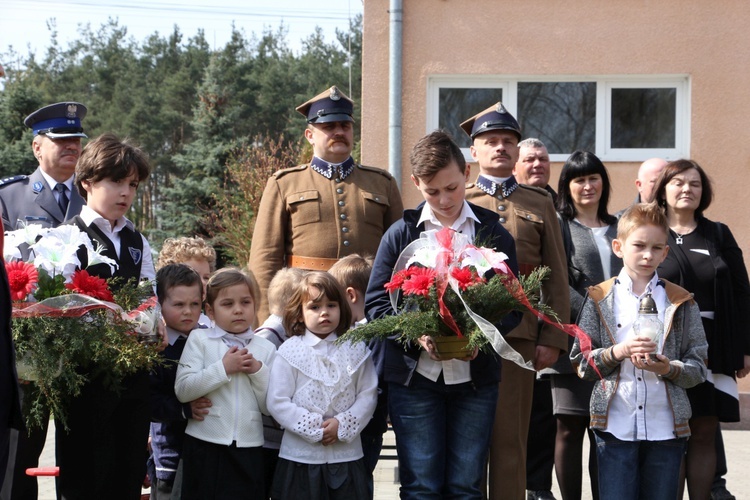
(643, 118)
(561, 114)
(456, 105)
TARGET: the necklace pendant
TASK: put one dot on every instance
(678, 239)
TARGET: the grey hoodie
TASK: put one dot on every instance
(684, 344)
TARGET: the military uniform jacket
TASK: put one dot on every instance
(29, 198)
(303, 213)
(528, 214)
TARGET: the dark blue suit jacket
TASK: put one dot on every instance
(393, 362)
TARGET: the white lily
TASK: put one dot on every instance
(28, 233)
(96, 256)
(69, 234)
(56, 258)
(425, 256)
(484, 259)
(10, 247)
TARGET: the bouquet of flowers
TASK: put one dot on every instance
(69, 326)
(444, 293)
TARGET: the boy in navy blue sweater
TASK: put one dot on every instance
(180, 292)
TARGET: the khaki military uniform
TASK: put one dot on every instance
(529, 215)
(311, 218)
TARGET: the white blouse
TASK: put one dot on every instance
(312, 380)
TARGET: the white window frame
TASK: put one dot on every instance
(605, 84)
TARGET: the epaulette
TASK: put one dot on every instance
(382, 172)
(12, 180)
(535, 188)
(284, 171)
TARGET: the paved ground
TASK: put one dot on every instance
(737, 444)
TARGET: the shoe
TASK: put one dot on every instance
(721, 494)
(539, 495)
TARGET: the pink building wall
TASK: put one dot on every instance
(708, 41)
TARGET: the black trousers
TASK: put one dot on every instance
(103, 454)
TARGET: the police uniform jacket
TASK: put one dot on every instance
(528, 214)
(29, 198)
(303, 213)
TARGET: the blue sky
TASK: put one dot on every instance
(23, 23)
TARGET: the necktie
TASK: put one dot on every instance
(62, 199)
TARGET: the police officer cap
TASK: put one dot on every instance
(496, 117)
(331, 105)
(58, 121)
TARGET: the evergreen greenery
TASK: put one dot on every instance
(419, 315)
(190, 107)
(63, 353)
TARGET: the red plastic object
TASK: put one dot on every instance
(43, 471)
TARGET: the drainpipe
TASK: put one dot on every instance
(394, 97)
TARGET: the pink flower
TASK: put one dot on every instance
(465, 277)
(93, 286)
(397, 280)
(22, 277)
(419, 281)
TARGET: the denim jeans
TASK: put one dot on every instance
(645, 470)
(442, 437)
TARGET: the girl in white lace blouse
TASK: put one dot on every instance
(323, 394)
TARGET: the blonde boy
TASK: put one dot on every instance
(194, 252)
(640, 410)
(353, 272)
(279, 290)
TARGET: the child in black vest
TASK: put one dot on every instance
(102, 455)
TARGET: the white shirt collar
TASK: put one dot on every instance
(462, 224)
(623, 280)
(90, 216)
(52, 182)
(309, 338)
(231, 339)
(173, 335)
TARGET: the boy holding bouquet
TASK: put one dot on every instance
(441, 410)
(102, 453)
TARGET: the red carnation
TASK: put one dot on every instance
(93, 286)
(419, 281)
(22, 277)
(465, 277)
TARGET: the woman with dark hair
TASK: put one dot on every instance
(704, 259)
(588, 230)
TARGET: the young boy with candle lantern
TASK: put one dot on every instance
(640, 410)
